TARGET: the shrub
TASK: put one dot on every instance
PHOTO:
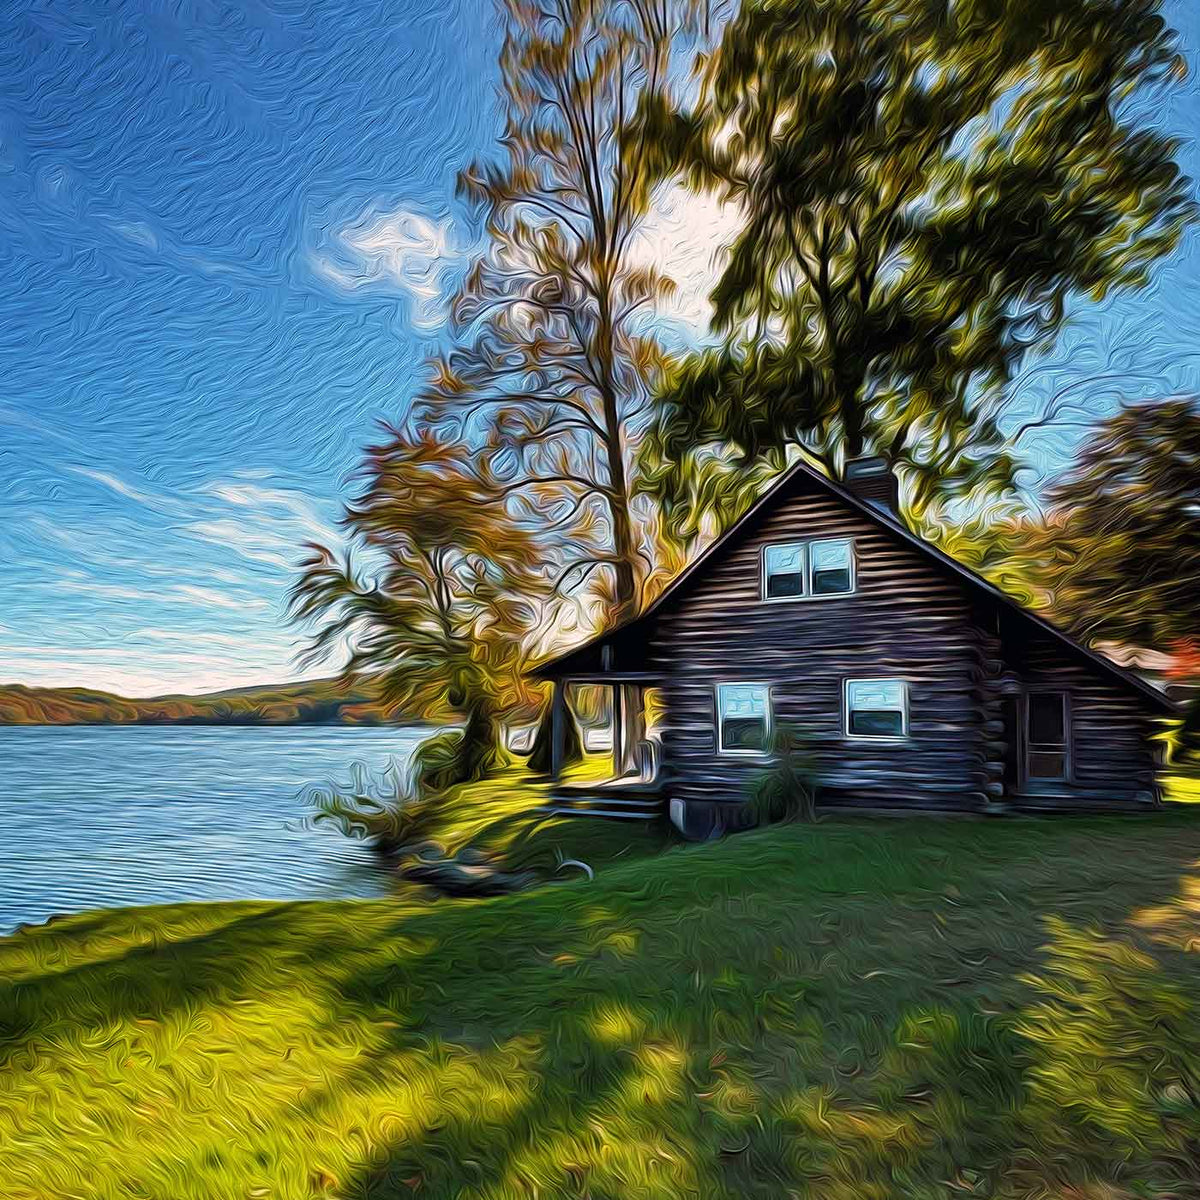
(787, 789)
(393, 814)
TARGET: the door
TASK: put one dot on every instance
(1047, 737)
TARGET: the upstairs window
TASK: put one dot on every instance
(1046, 735)
(832, 567)
(783, 571)
(794, 570)
(876, 708)
(743, 718)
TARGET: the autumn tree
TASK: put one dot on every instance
(554, 366)
(1119, 551)
(436, 594)
(925, 188)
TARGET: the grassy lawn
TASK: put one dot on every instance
(909, 1007)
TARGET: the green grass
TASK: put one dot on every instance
(906, 1007)
(499, 817)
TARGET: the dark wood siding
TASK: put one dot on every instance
(905, 620)
(1112, 757)
(909, 618)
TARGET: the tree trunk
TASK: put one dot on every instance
(624, 547)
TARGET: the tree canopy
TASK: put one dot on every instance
(1119, 553)
(925, 187)
(439, 617)
(552, 369)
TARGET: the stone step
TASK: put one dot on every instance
(591, 810)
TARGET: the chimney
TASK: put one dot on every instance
(872, 480)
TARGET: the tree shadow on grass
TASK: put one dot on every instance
(151, 981)
(1054, 1060)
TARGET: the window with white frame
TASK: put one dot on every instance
(784, 570)
(876, 708)
(831, 567)
(795, 570)
(743, 718)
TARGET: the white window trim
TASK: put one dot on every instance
(770, 731)
(806, 575)
(876, 737)
(762, 574)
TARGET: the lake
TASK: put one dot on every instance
(99, 816)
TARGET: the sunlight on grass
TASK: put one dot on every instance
(841, 1011)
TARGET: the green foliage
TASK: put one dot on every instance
(787, 789)
(1120, 551)
(393, 819)
(924, 188)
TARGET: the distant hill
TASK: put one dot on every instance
(312, 702)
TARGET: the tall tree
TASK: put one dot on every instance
(925, 187)
(553, 368)
(1119, 554)
(439, 615)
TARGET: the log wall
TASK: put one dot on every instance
(909, 618)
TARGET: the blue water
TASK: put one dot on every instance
(95, 817)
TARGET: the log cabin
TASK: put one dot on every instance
(914, 681)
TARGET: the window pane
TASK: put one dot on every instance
(875, 693)
(785, 558)
(1047, 724)
(831, 556)
(744, 710)
(744, 733)
(785, 585)
(1047, 765)
(830, 583)
(877, 724)
(744, 700)
(784, 567)
(830, 567)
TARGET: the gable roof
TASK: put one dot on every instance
(801, 471)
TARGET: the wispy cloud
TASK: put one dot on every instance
(122, 488)
(271, 525)
(403, 251)
(301, 510)
(196, 639)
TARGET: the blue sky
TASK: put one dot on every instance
(226, 232)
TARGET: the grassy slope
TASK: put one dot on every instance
(838, 1011)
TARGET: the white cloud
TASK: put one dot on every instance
(271, 526)
(302, 512)
(119, 486)
(110, 591)
(230, 641)
(182, 593)
(404, 251)
(686, 236)
(215, 599)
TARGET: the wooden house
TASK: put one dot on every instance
(916, 683)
